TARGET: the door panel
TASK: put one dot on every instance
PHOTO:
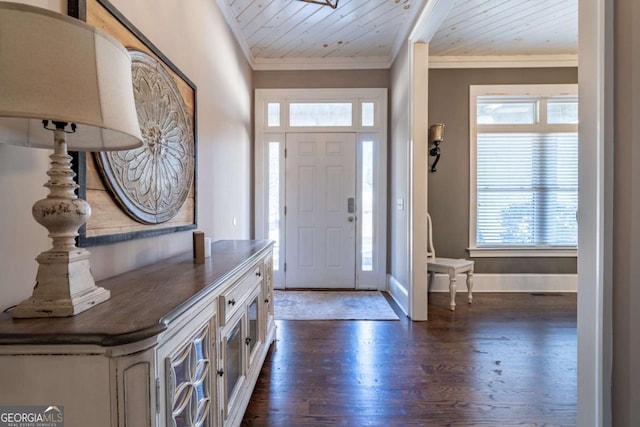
(320, 232)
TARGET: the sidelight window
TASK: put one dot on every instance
(274, 200)
(368, 194)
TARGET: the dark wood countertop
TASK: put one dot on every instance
(143, 302)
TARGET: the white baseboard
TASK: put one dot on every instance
(510, 283)
(399, 293)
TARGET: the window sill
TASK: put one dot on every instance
(522, 252)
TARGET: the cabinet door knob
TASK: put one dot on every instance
(247, 340)
(232, 302)
(220, 372)
(266, 301)
(258, 274)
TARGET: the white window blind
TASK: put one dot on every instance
(527, 189)
(525, 193)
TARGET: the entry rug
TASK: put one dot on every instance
(332, 305)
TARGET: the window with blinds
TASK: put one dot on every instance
(524, 171)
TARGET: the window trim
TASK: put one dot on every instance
(523, 252)
(523, 91)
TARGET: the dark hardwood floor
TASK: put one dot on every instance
(505, 360)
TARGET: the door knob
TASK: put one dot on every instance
(350, 219)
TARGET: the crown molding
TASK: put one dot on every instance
(435, 62)
(268, 64)
(504, 61)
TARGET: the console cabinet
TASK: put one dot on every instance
(178, 344)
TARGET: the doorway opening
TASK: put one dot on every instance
(321, 174)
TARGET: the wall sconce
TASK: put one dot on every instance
(436, 137)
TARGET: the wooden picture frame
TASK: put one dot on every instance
(109, 222)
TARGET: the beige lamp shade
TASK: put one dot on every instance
(53, 67)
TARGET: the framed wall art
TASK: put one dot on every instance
(150, 190)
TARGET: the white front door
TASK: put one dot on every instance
(320, 219)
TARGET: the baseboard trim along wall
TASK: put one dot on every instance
(510, 283)
(399, 293)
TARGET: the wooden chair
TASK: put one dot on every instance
(449, 266)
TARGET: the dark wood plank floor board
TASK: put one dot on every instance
(505, 360)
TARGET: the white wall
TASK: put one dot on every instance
(399, 176)
(408, 180)
(419, 179)
(197, 40)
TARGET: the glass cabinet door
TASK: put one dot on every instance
(189, 382)
(268, 291)
(233, 353)
(253, 316)
(233, 359)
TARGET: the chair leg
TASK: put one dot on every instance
(470, 286)
(452, 290)
(432, 276)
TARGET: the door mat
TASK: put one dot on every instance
(332, 305)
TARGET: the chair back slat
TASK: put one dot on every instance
(431, 252)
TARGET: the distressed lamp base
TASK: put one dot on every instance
(64, 283)
(65, 287)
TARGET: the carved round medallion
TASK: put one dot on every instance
(152, 182)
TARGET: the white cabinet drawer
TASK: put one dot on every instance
(232, 298)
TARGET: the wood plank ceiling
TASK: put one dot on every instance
(288, 34)
(508, 27)
(281, 32)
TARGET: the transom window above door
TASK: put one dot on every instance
(329, 113)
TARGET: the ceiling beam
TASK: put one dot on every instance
(430, 20)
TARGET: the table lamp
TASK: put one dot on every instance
(63, 84)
